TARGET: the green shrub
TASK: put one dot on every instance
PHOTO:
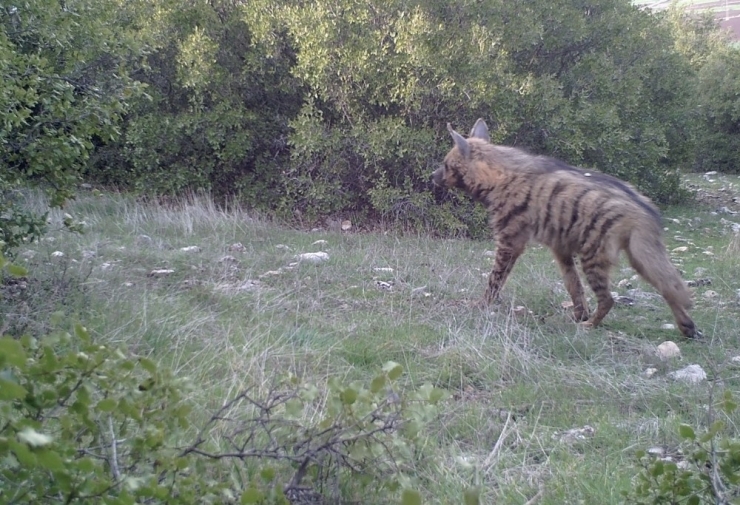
(708, 473)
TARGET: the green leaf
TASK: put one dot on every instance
(11, 350)
(348, 396)
(22, 453)
(471, 496)
(436, 395)
(294, 407)
(106, 405)
(252, 495)
(410, 497)
(17, 270)
(50, 460)
(693, 500)
(148, 365)
(377, 384)
(686, 431)
(11, 391)
(82, 333)
(393, 369)
(268, 474)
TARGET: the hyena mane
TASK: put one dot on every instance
(574, 212)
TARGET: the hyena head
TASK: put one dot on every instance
(451, 174)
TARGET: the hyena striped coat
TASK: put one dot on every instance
(573, 212)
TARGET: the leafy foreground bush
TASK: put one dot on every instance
(708, 471)
(84, 423)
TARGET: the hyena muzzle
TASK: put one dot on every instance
(574, 212)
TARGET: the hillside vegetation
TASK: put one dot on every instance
(334, 108)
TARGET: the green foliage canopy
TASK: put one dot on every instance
(65, 84)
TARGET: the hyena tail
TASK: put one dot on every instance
(647, 254)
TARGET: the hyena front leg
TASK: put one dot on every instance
(506, 256)
(597, 275)
(573, 286)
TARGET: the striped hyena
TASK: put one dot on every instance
(573, 212)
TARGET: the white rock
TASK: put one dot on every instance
(163, 272)
(668, 349)
(575, 434)
(682, 248)
(314, 257)
(271, 273)
(57, 254)
(709, 294)
(346, 225)
(649, 372)
(667, 326)
(489, 254)
(282, 246)
(736, 360)
(383, 286)
(692, 373)
(320, 242)
(656, 451)
(383, 269)
(190, 248)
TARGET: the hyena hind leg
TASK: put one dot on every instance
(597, 275)
(573, 286)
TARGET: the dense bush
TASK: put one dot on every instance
(320, 108)
(64, 69)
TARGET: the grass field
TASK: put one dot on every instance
(519, 375)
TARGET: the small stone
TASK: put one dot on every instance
(712, 172)
(624, 284)
(419, 291)
(656, 451)
(384, 286)
(709, 294)
(128, 284)
(708, 253)
(489, 254)
(735, 360)
(668, 349)
(692, 374)
(271, 273)
(682, 248)
(282, 246)
(667, 326)
(314, 257)
(346, 225)
(383, 269)
(163, 272)
(320, 242)
(237, 247)
(57, 254)
(521, 310)
(190, 249)
(649, 372)
(624, 300)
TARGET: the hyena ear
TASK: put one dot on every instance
(460, 142)
(480, 130)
